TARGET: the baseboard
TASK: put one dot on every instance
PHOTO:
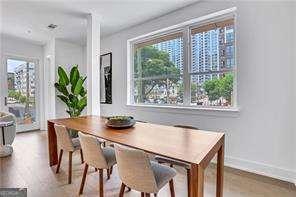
(262, 169)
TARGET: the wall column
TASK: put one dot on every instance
(93, 64)
(48, 85)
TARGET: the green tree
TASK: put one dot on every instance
(213, 89)
(219, 87)
(155, 64)
(227, 87)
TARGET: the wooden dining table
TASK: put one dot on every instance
(195, 147)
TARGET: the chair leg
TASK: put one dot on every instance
(111, 169)
(171, 165)
(122, 190)
(155, 194)
(60, 160)
(104, 144)
(81, 155)
(188, 182)
(83, 179)
(147, 195)
(108, 174)
(101, 183)
(172, 190)
(70, 168)
(96, 169)
(129, 189)
(142, 194)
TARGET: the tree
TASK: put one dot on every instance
(153, 64)
(227, 87)
(219, 87)
(213, 89)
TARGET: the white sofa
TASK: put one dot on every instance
(10, 131)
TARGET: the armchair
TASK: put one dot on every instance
(9, 133)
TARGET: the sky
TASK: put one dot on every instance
(12, 64)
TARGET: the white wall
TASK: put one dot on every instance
(259, 138)
(67, 54)
(293, 8)
(13, 46)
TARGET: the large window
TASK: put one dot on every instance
(157, 70)
(191, 66)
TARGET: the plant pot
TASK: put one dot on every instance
(27, 120)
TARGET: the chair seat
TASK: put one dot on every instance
(76, 143)
(109, 154)
(161, 159)
(163, 174)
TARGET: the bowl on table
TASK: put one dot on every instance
(120, 122)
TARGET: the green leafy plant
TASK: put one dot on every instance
(71, 90)
(220, 87)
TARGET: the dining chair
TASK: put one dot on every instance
(139, 173)
(172, 162)
(66, 143)
(97, 157)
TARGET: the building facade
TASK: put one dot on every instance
(25, 79)
(212, 53)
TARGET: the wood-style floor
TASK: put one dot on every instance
(28, 167)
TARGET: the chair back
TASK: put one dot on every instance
(64, 139)
(186, 127)
(92, 151)
(134, 169)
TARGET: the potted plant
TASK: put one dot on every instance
(72, 92)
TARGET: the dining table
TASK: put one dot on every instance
(195, 147)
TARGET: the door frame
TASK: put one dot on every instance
(36, 61)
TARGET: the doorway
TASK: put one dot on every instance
(21, 96)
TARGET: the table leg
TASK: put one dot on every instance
(52, 144)
(220, 171)
(196, 181)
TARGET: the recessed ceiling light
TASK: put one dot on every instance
(52, 26)
(29, 31)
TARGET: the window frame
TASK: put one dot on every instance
(186, 29)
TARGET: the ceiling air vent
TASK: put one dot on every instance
(52, 26)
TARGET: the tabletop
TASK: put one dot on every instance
(187, 145)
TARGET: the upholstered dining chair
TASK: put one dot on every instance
(139, 173)
(97, 157)
(173, 162)
(66, 143)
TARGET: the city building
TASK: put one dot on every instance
(24, 80)
(175, 50)
(212, 51)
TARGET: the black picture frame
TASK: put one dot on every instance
(106, 78)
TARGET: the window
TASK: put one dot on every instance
(212, 67)
(157, 70)
(191, 66)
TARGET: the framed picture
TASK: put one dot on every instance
(106, 78)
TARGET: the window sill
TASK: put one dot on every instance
(207, 111)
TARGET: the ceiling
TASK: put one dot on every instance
(29, 19)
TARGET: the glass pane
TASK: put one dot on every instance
(157, 72)
(212, 89)
(21, 90)
(213, 50)
(159, 91)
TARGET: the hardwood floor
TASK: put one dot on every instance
(28, 167)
